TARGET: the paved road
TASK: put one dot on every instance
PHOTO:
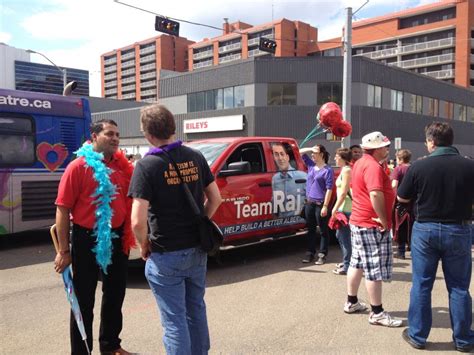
(262, 300)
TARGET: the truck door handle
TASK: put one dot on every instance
(300, 181)
(264, 184)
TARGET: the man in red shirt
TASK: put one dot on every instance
(93, 194)
(372, 201)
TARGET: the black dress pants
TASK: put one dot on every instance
(86, 273)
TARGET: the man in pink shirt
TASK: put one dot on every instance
(372, 201)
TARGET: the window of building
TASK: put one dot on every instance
(449, 110)
(220, 99)
(239, 96)
(374, 96)
(217, 99)
(460, 113)
(281, 94)
(470, 114)
(228, 97)
(17, 135)
(416, 104)
(396, 100)
(430, 17)
(433, 107)
(328, 92)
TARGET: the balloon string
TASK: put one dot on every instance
(316, 131)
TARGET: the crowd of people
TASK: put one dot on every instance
(110, 207)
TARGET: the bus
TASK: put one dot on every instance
(39, 134)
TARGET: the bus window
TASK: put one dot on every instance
(17, 141)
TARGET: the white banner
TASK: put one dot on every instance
(214, 124)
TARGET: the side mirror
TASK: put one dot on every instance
(237, 168)
(69, 88)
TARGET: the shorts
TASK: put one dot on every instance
(372, 252)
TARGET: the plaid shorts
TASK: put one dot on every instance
(372, 252)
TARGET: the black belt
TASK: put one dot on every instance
(314, 202)
(88, 231)
(461, 222)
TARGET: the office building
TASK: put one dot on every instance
(132, 72)
(435, 39)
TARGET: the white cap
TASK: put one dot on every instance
(374, 140)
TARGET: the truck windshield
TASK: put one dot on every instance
(210, 150)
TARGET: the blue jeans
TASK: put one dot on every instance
(343, 236)
(314, 219)
(178, 281)
(451, 244)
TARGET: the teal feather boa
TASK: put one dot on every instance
(103, 194)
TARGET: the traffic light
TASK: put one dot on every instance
(165, 25)
(267, 45)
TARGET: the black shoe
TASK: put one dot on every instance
(410, 341)
(465, 349)
(399, 256)
(308, 258)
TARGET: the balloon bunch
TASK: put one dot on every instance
(329, 118)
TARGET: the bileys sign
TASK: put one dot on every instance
(214, 124)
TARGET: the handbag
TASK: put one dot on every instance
(210, 235)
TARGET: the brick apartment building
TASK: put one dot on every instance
(132, 72)
(435, 39)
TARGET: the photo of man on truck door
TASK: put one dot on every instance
(288, 184)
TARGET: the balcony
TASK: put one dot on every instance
(204, 54)
(129, 96)
(110, 76)
(111, 68)
(148, 92)
(257, 52)
(112, 60)
(427, 61)
(128, 88)
(441, 74)
(148, 58)
(110, 91)
(148, 84)
(128, 72)
(410, 49)
(110, 84)
(147, 50)
(230, 58)
(128, 80)
(110, 96)
(128, 64)
(149, 99)
(230, 47)
(204, 64)
(129, 55)
(256, 40)
(147, 67)
(148, 75)
(472, 58)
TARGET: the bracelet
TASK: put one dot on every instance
(63, 252)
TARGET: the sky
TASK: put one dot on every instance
(74, 33)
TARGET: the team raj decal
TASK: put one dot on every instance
(52, 156)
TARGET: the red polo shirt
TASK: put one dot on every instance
(77, 186)
(368, 175)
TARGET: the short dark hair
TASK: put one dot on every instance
(440, 133)
(324, 152)
(404, 155)
(345, 154)
(355, 146)
(281, 144)
(158, 121)
(98, 126)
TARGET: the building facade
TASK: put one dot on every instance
(270, 96)
(132, 72)
(435, 39)
(240, 41)
(47, 78)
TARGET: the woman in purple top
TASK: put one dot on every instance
(319, 186)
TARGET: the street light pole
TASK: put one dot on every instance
(347, 75)
(63, 70)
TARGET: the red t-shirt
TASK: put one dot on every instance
(368, 175)
(77, 186)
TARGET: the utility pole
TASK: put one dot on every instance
(347, 75)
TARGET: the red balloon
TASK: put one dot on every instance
(342, 129)
(330, 114)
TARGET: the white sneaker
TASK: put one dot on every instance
(384, 319)
(354, 307)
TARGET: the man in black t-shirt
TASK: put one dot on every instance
(175, 263)
(441, 187)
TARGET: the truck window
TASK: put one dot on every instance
(211, 151)
(251, 152)
(17, 141)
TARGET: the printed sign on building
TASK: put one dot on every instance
(214, 124)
